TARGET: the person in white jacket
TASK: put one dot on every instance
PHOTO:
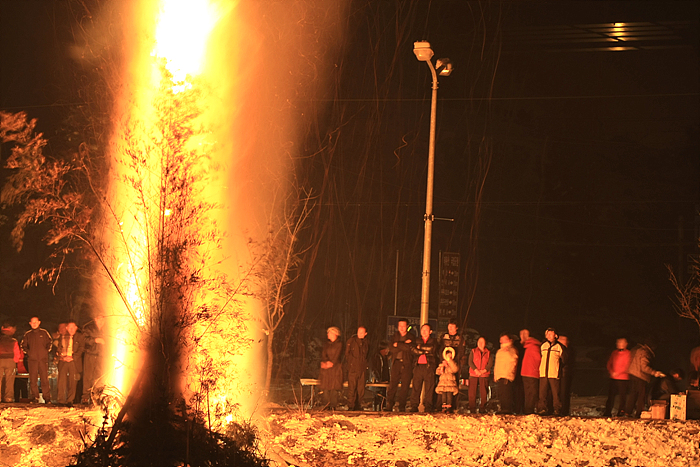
(504, 373)
(553, 357)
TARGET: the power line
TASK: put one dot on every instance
(520, 98)
(504, 203)
(41, 106)
(442, 99)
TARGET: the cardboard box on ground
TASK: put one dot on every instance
(685, 406)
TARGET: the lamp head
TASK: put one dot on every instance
(423, 51)
(444, 66)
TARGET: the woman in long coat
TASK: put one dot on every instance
(331, 378)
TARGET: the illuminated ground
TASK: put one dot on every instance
(43, 436)
(325, 439)
(39, 436)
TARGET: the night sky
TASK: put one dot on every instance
(571, 170)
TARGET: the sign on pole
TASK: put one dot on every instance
(449, 284)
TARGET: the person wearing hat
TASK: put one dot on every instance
(447, 386)
(553, 356)
(331, 377)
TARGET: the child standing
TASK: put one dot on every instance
(447, 385)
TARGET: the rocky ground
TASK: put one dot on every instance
(38, 436)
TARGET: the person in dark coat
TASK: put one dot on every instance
(567, 376)
(453, 339)
(425, 355)
(379, 373)
(401, 366)
(667, 386)
(70, 362)
(331, 377)
(93, 358)
(356, 351)
(36, 344)
(456, 341)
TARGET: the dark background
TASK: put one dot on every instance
(571, 168)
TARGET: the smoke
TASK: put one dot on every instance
(270, 63)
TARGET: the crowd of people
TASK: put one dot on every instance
(631, 372)
(530, 376)
(76, 353)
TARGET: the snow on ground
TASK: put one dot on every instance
(41, 435)
(37, 436)
(436, 440)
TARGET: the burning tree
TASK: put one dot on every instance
(156, 244)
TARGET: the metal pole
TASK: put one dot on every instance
(425, 288)
(396, 283)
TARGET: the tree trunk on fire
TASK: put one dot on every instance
(270, 357)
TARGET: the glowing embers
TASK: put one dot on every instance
(181, 36)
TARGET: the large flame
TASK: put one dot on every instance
(217, 54)
(182, 31)
(176, 33)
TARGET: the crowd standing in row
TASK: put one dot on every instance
(77, 354)
(535, 377)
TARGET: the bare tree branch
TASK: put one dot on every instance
(687, 299)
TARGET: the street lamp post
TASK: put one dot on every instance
(424, 53)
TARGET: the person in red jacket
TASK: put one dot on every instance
(530, 370)
(480, 365)
(10, 355)
(618, 369)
